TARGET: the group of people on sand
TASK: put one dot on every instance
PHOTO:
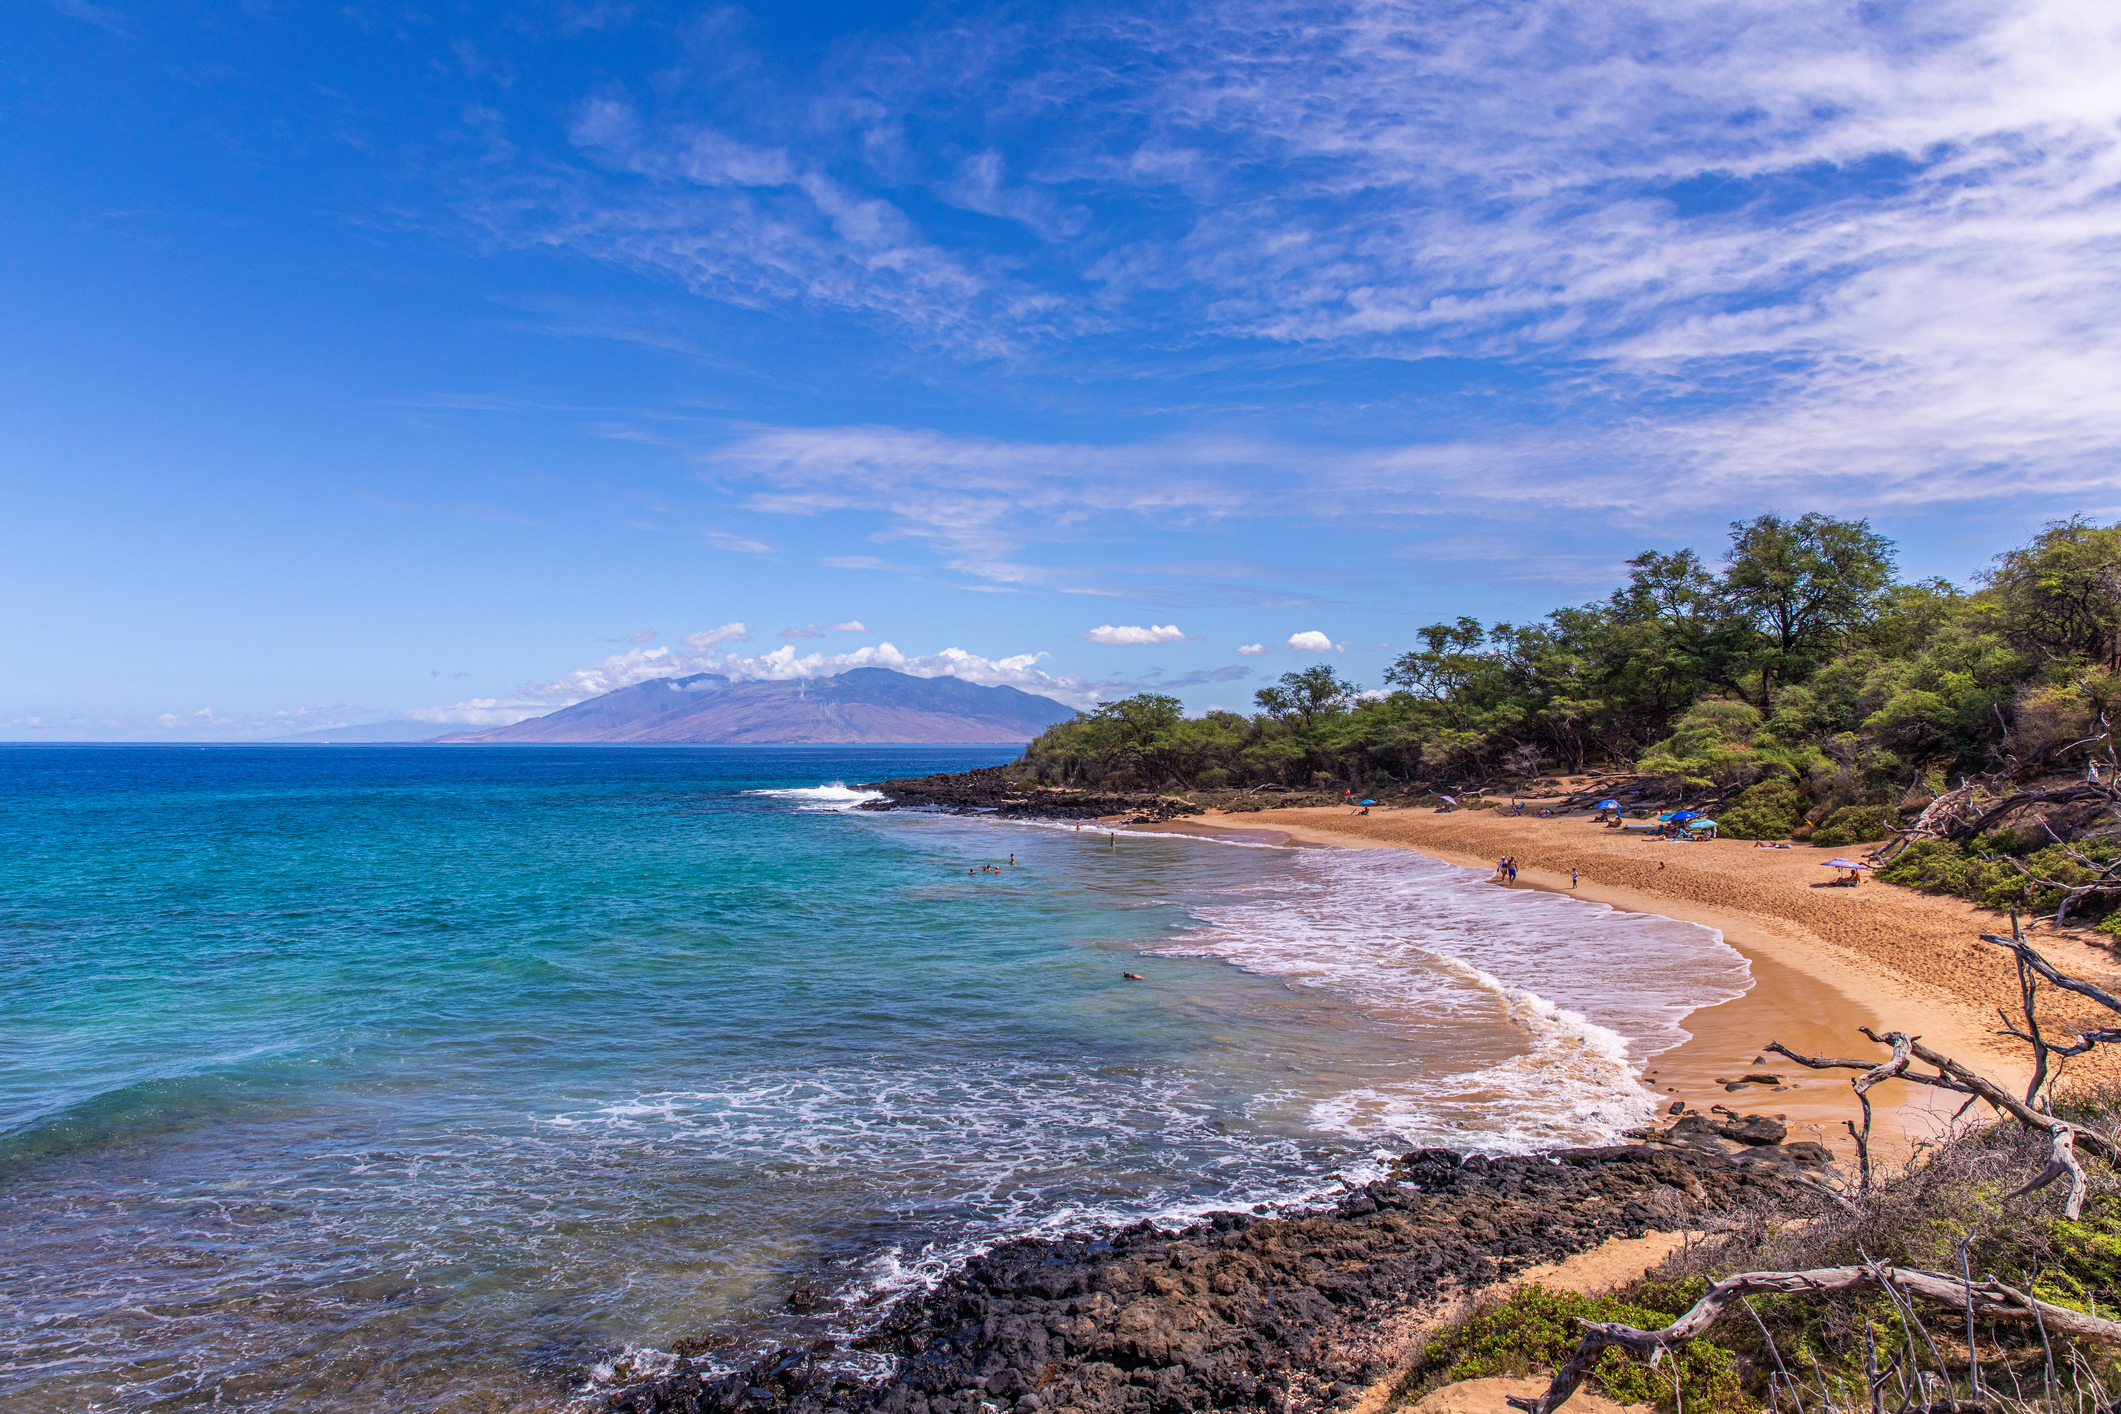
(1506, 868)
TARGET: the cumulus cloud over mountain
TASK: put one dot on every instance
(784, 663)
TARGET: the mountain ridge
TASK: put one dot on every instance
(860, 705)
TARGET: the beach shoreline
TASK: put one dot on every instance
(1825, 962)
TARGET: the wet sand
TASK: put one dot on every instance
(1825, 961)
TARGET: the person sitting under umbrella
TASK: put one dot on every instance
(1852, 870)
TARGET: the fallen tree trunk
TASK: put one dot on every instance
(1990, 1299)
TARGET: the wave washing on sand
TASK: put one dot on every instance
(1596, 991)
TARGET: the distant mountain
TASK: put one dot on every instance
(373, 732)
(865, 704)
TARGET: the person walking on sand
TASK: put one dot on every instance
(1572, 878)
(1513, 868)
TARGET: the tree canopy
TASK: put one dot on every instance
(1799, 660)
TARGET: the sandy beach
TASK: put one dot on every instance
(1825, 961)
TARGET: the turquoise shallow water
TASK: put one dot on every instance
(338, 1075)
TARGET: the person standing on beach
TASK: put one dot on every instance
(1572, 878)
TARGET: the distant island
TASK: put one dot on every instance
(861, 705)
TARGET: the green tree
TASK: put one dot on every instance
(2061, 595)
(1801, 584)
(1307, 695)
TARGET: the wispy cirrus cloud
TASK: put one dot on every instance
(820, 630)
(976, 501)
(1752, 240)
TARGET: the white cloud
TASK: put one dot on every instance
(1310, 641)
(727, 633)
(1251, 650)
(1130, 633)
(851, 626)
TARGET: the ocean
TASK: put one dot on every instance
(448, 1079)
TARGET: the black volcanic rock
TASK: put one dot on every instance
(990, 790)
(861, 705)
(1237, 1312)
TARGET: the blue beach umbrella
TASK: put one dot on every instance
(1366, 802)
(1607, 805)
(1682, 815)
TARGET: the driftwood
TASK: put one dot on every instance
(1951, 1075)
(1990, 1299)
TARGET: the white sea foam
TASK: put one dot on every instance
(1595, 991)
(835, 795)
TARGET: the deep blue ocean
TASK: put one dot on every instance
(429, 1078)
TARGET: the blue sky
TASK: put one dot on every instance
(369, 360)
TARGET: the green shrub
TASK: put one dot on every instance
(1535, 1329)
(1769, 811)
(1856, 824)
(1982, 875)
(1935, 867)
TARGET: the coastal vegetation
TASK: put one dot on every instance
(1799, 687)
(1952, 1212)
(1829, 1312)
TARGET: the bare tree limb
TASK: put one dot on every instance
(2056, 977)
(1939, 1082)
(2062, 1159)
(1970, 1081)
(1991, 1299)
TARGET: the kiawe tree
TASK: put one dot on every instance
(1306, 696)
(1801, 584)
(2060, 596)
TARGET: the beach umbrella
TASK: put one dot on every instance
(1844, 864)
(1684, 815)
(1366, 802)
(1452, 798)
(1607, 805)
